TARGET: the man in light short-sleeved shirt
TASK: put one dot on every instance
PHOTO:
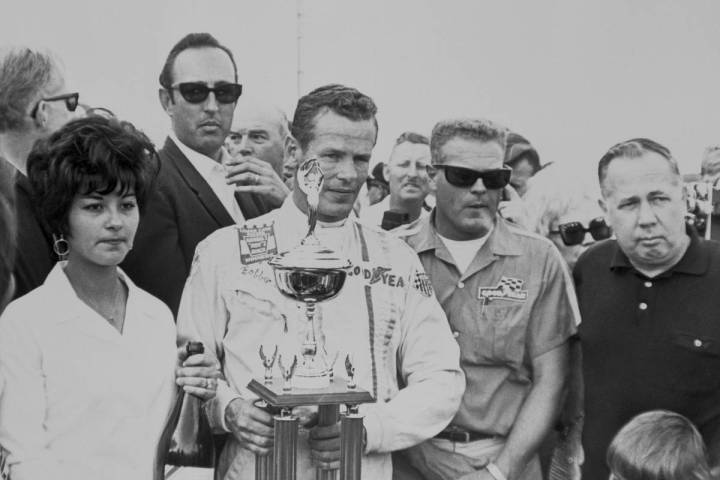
(510, 305)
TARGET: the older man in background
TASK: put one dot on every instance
(509, 301)
(35, 101)
(650, 336)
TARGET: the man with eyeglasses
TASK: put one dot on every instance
(510, 305)
(196, 189)
(649, 301)
(34, 102)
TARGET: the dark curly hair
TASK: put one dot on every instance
(92, 154)
(345, 101)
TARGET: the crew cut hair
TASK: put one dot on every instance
(191, 40)
(345, 101)
(467, 128)
(24, 72)
(412, 137)
(658, 445)
(634, 148)
(93, 154)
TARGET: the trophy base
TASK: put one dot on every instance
(336, 393)
(306, 380)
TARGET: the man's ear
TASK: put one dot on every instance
(290, 149)
(166, 100)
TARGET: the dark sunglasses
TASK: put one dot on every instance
(465, 177)
(197, 92)
(71, 102)
(573, 233)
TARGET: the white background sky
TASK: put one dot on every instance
(574, 76)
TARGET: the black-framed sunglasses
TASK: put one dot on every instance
(71, 102)
(493, 179)
(198, 92)
(573, 233)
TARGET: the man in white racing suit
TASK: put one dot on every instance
(386, 315)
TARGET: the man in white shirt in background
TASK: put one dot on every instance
(408, 173)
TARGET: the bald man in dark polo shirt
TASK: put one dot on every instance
(650, 305)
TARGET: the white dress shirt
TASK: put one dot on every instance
(83, 401)
(214, 174)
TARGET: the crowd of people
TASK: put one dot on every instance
(508, 323)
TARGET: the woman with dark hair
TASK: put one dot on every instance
(89, 360)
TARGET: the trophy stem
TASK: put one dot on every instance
(285, 448)
(351, 447)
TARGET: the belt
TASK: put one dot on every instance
(456, 434)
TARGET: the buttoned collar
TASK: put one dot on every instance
(696, 260)
(202, 163)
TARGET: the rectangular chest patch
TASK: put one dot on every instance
(508, 288)
(257, 243)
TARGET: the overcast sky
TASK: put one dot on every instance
(573, 76)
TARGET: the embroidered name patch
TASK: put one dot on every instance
(508, 289)
(257, 243)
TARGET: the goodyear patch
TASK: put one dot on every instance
(257, 243)
(508, 288)
(378, 275)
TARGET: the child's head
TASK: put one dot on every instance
(658, 445)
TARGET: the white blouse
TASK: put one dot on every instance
(81, 400)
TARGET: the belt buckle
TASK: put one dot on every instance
(462, 436)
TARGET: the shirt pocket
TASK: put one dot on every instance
(509, 328)
(695, 362)
(495, 337)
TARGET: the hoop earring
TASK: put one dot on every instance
(61, 247)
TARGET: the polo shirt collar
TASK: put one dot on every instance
(696, 260)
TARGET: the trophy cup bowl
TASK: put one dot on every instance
(310, 273)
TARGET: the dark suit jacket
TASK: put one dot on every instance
(180, 212)
(34, 256)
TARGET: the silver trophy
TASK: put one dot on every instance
(311, 273)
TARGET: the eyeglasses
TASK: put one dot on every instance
(493, 179)
(197, 92)
(71, 102)
(573, 233)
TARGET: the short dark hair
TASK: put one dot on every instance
(412, 137)
(191, 40)
(24, 72)
(634, 148)
(93, 154)
(345, 101)
(658, 445)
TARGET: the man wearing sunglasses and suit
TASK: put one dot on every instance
(509, 301)
(649, 300)
(193, 196)
(35, 101)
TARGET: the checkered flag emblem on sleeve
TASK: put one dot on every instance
(421, 283)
